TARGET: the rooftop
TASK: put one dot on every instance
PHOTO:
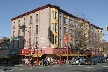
(52, 6)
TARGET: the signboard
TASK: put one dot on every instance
(15, 38)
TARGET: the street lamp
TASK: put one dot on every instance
(37, 62)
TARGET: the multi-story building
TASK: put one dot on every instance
(48, 24)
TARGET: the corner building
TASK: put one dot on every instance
(48, 25)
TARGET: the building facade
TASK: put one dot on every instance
(48, 25)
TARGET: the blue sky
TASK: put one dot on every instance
(95, 11)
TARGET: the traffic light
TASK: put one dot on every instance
(107, 28)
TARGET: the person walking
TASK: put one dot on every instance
(32, 62)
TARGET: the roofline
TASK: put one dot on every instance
(51, 6)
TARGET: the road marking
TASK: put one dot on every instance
(10, 70)
(55, 66)
(104, 66)
(2, 71)
(20, 69)
(16, 67)
(89, 67)
(31, 68)
(41, 67)
(107, 68)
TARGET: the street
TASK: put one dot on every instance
(101, 67)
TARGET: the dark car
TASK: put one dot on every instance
(90, 61)
(99, 59)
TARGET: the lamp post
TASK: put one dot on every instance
(37, 62)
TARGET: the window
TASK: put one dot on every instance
(13, 33)
(30, 19)
(52, 39)
(36, 29)
(55, 27)
(53, 14)
(65, 29)
(55, 39)
(65, 20)
(18, 32)
(52, 26)
(70, 21)
(24, 20)
(37, 18)
(60, 31)
(14, 27)
(36, 39)
(19, 23)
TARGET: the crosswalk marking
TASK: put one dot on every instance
(30, 68)
(16, 67)
(55, 66)
(20, 69)
(41, 67)
(10, 70)
(104, 66)
(89, 67)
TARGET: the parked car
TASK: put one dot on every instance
(75, 61)
(106, 58)
(99, 59)
(90, 61)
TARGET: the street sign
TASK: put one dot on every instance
(15, 38)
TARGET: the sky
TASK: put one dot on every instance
(96, 11)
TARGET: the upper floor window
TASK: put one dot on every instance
(36, 39)
(70, 21)
(19, 23)
(24, 21)
(18, 32)
(13, 33)
(65, 20)
(52, 26)
(37, 17)
(30, 19)
(14, 25)
(55, 27)
(55, 39)
(53, 14)
(36, 29)
(65, 29)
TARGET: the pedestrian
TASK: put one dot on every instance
(32, 62)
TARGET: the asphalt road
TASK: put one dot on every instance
(101, 67)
